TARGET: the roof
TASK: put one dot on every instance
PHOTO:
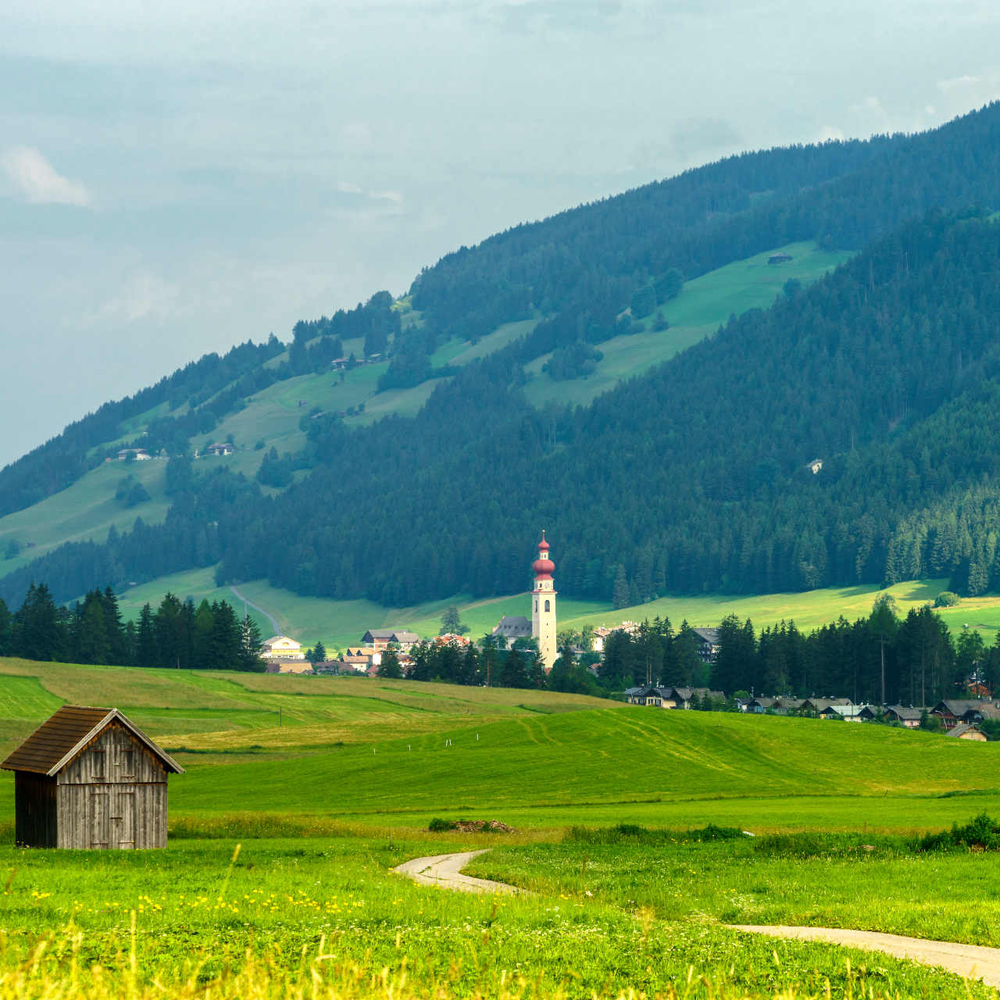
(960, 730)
(390, 635)
(267, 643)
(709, 635)
(58, 740)
(511, 624)
(959, 706)
(905, 713)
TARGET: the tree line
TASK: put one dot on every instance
(177, 634)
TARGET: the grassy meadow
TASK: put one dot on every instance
(342, 623)
(277, 881)
(703, 305)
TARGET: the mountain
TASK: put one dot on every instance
(688, 476)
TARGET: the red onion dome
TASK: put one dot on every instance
(543, 546)
(543, 568)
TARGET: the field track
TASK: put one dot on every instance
(967, 960)
(445, 871)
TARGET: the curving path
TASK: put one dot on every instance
(968, 960)
(445, 870)
(257, 607)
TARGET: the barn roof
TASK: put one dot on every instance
(58, 740)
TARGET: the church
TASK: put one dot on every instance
(543, 611)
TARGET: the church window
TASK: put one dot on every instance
(546, 605)
(536, 603)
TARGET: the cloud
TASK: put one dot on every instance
(141, 295)
(38, 181)
(958, 81)
(395, 197)
(346, 187)
(829, 133)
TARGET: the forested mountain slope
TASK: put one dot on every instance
(690, 477)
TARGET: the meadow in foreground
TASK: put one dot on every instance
(326, 918)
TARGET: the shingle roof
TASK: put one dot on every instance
(58, 740)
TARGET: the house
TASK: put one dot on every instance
(952, 711)
(280, 647)
(289, 667)
(513, 627)
(381, 638)
(89, 778)
(787, 705)
(849, 713)
(451, 639)
(762, 704)
(599, 637)
(815, 465)
(359, 664)
(139, 454)
(644, 695)
(681, 697)
(966, 731)
(779, 258)
(983, 710)
(708, 644)
(220, 448)
(869, 713)
(908, 717)
(817, 706)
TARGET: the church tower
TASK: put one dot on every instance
(543, 613)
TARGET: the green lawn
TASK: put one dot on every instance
(83, 512)
(704, 304)
(327, 919)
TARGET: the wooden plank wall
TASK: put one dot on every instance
(113, 796)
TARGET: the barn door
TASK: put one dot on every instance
(123, 817)
(100, 817)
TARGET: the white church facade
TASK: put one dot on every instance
(542, 626)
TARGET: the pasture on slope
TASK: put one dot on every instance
(397, 753)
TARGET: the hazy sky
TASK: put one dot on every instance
(176, 177)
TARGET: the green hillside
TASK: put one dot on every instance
(83, 512)
(272, 417)
(703, 304)
(399, 752)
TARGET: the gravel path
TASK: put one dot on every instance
(968, 960)
(445, 870)
(257, 607)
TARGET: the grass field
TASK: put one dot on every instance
(339, 623)
(277, 880)
(377, 752)
(83, 512)
(325, 919)
(702, 306)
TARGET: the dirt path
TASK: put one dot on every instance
(968, 960)
(445, 870)
(257, 607)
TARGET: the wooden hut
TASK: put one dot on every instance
(89, 778)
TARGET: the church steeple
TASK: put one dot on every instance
(543, 605)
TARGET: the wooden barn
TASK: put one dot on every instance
(89, 778)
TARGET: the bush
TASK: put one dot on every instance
(947, 599)
(980, 834)
(438, 825)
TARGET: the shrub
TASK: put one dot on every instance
(947, 599)
(438, 825)
(980, 834)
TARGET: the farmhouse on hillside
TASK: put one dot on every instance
(89, 778)
(280, 647)
(382, 638)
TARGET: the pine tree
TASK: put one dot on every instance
(250, 646)
(389, 666)
(621, 593)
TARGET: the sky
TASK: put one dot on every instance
(177, 177)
